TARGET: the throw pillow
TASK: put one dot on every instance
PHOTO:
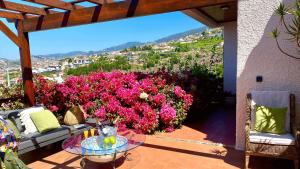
(26, 120)
(74, 116)
(44, 121)
(18, 123)
(14, 116)
(270, 120)
(13, 127)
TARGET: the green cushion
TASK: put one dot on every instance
(44, 120)
(270, 120)
(11, 125)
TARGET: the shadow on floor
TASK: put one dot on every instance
(232, 157)
(218, 123)
(270, 163)
(41, 153)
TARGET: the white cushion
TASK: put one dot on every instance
(26, 120)
(269, 138)
(278, 99)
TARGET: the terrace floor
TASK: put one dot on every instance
(193, 146)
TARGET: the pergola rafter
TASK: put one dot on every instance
(31, 18)
(100, 2)
(56, 4)
(114, 11)
(22, 8)
(10, 34)
(11, 15)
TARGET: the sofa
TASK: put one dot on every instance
(32, 141)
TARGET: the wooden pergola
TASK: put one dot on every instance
(59, 14)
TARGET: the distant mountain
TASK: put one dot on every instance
(123, 46)
(11, 64)
(180, 35)
(58, 56)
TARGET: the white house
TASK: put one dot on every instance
(257, 54)
(250, 52)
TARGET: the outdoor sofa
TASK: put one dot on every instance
(32, 141)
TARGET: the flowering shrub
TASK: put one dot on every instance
(145, 102)
(11, 98)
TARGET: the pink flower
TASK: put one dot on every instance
(159, 99)
(89, 105)
(169, 129)
(179, 92)
(113, 106)
(121, 126)
(167, 113)
(129, 115)
(111, 95)
(53, 108)
(101, 113)
(188, 99)
(105, 97)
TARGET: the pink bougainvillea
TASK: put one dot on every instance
(101, 112)
(167, 114)
(145, 102)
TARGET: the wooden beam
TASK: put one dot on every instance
(100, 2)
(114, 11)
(25, 59)
(11, 15)
(201, 17)
(22, 8)
(56, 4)
(10, 34)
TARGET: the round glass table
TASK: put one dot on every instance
(126, 140)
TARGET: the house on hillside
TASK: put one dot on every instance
(81, 60)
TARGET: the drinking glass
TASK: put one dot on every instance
(92, 132)
(86, 134)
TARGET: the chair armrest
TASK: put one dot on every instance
(247, 133)
(247, 128)
(296, 134)
(248, 121)
(247, 125)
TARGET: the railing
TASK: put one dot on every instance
(12, 99)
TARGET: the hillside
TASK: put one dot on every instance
(72, 54)
(180, 35)
(190, 51)
(11, 64)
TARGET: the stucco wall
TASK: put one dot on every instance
(230, 56)
(258, 55)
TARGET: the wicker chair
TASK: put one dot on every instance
(267, 148)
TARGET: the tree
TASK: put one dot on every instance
(292, 29)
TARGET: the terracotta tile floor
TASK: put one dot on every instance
(190, 147)
(217, 126)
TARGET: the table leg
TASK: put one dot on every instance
(126, 155)
(82, 163)
(114, 160)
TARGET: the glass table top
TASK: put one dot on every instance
(126, 141)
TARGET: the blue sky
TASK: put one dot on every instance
(101, 35)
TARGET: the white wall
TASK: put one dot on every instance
(258, 55)
(230, 56)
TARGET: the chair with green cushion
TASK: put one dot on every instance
(271, 129)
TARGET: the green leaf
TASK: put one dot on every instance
(282, 10)
(275, 33)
